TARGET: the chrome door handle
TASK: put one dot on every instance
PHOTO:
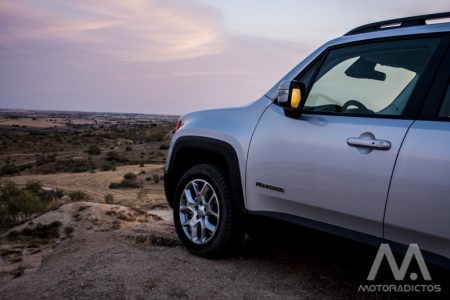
(369, 143)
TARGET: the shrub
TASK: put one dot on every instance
(5, 218)
(45, 159)
(9, 169)
(78, 196)
(69, 165)
(18, 204)
(142, 172)
(125, 184)
(148, 178)
(93, 150)
(129, 176)
(128, 148)
(44, 232)
(164, 146)
(109, 199)
(48, 195)
(155, 178)
(128, 182)
(114, 156)
(68, 231)
(114, 185)
(107, 166)
(33, 186)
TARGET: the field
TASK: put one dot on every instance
(96, 185)
(34, 123)
(88, 154)
(81, 145)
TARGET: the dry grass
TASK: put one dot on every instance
(28, 122)
(96, 185)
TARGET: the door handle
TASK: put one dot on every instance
(369, 143)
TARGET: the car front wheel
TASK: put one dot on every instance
(204, 217)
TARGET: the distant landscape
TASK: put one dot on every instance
(45, 142)
(52, 160)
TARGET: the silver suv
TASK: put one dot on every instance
(355, 141)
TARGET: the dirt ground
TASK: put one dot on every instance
(92, 250)
(140, 257)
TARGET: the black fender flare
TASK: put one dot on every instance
(205, 145)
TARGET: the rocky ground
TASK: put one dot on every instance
(99, 251)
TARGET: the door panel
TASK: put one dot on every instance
(323, 178)
(418, 208)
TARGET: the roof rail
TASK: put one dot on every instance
(398, 23)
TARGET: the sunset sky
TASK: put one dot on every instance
(166, 56)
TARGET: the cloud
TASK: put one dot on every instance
(133, 30)
(132, 56)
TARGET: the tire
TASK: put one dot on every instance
(195, 217)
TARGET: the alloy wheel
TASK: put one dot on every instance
(199, 211)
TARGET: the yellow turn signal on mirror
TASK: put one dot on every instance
(296, 98)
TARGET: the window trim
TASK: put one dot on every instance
(434, 100)
(420, 92)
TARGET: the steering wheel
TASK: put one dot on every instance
(362, 107)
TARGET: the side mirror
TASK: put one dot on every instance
(291, 96)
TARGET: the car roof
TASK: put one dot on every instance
(392, 32)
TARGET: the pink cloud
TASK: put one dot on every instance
(133, 30)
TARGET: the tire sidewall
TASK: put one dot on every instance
(204, 172)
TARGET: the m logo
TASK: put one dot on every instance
(399, 273)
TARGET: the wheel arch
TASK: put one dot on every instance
(189, 151)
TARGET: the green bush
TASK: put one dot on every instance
(68, 165)
(40, 231)
(106, 166)
(114, 156)
(48, 195)
(129, 176)
(78, 196)
(125, 184)
(18, 204)
(5, 217)
(114, 185)
(33, 186)
(109, 199)
(45, 159)
(93, 150)
(129, 181)
(9, 169)
(155, 178)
